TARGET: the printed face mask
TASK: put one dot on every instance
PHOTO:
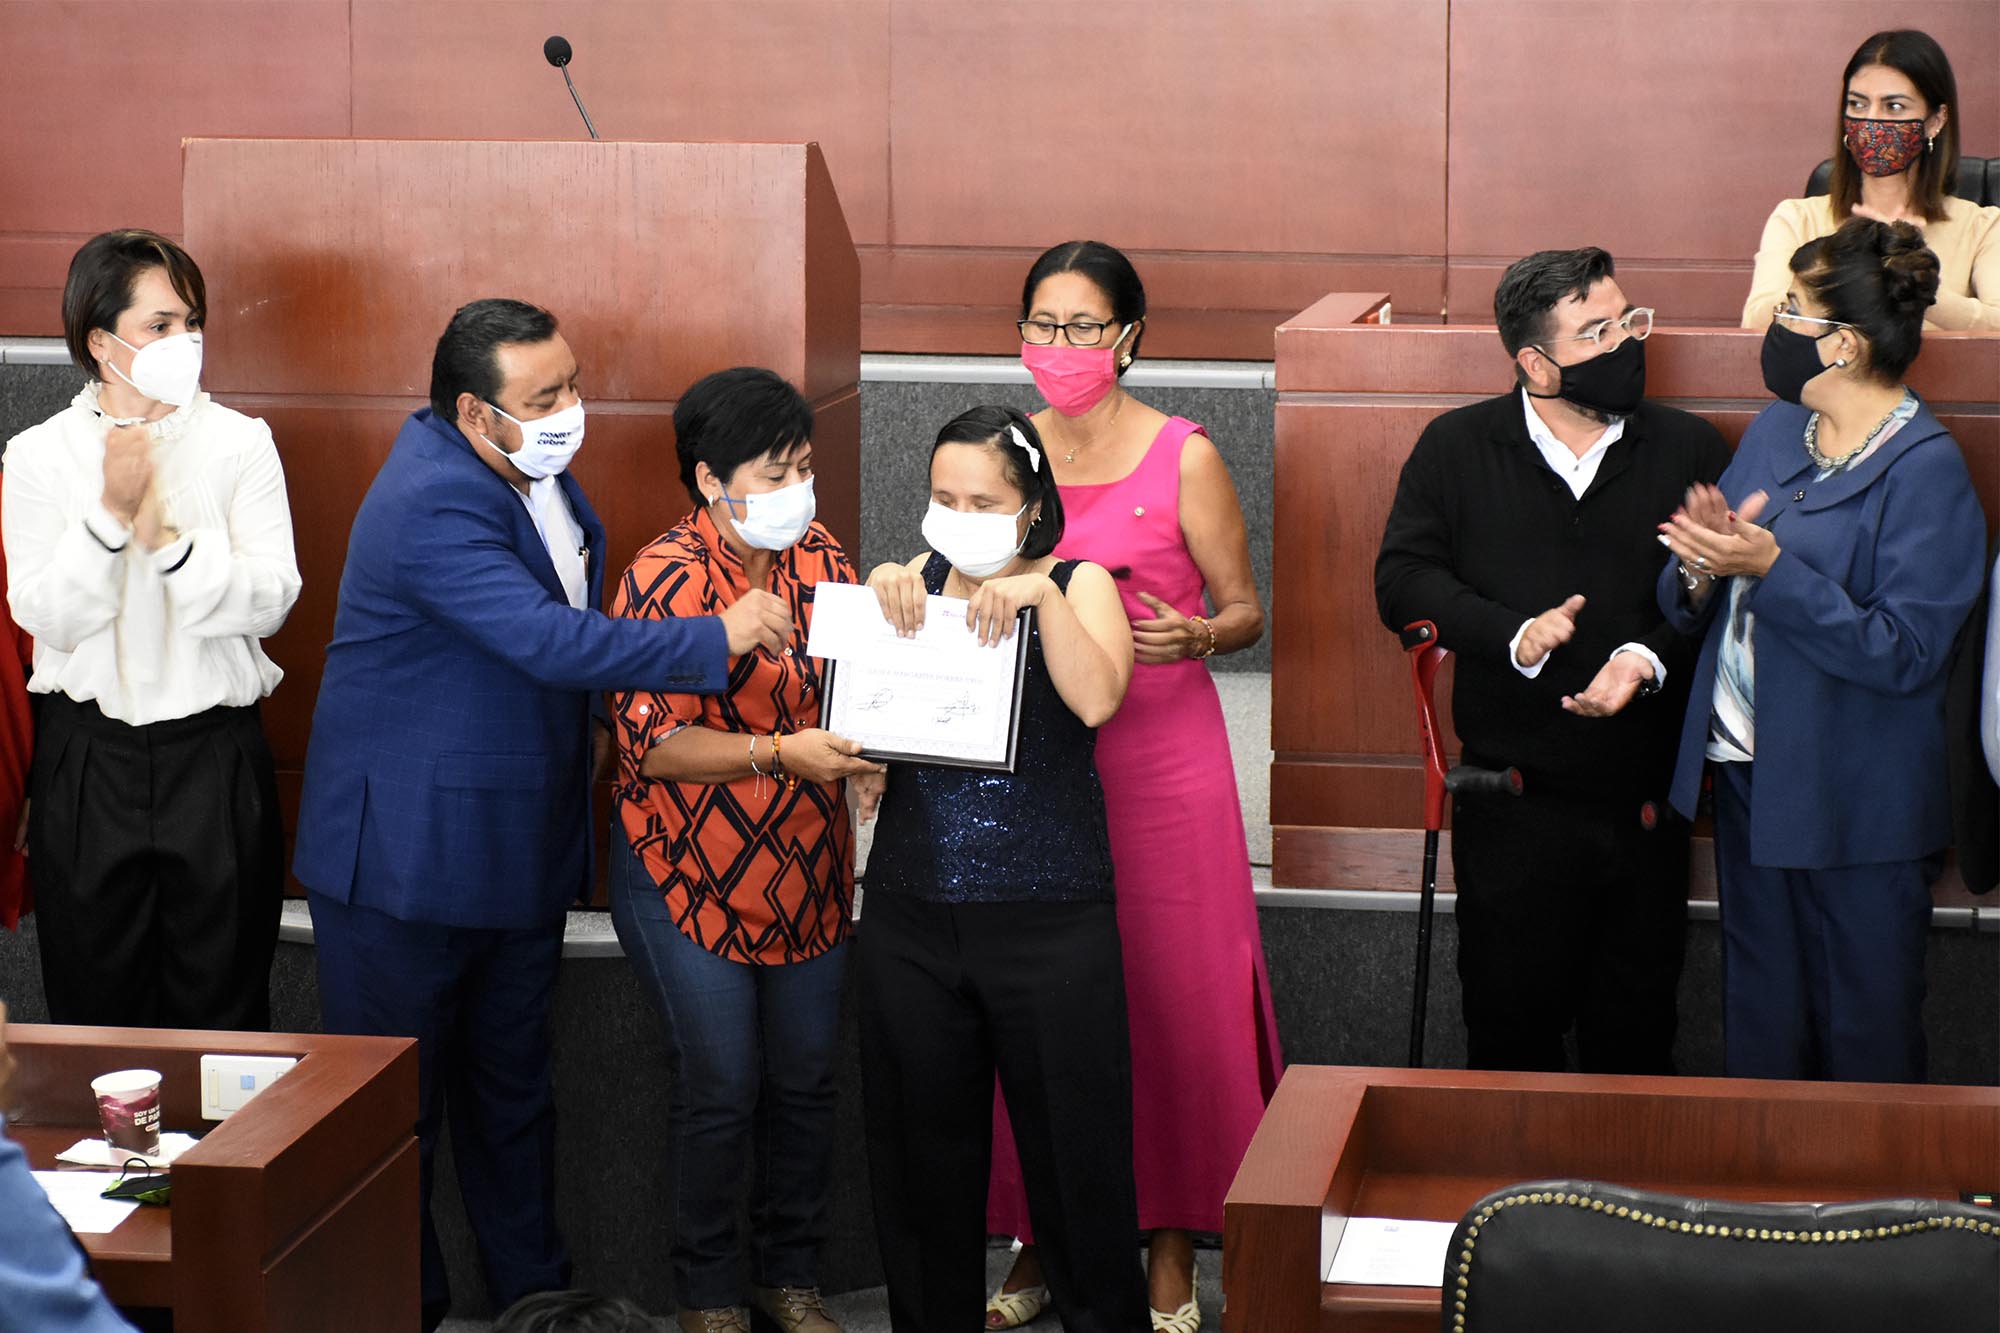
(978, 545)
(1883, 147)
(772, 520)
(166, 370)
(547, 443)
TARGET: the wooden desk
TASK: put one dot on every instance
(1339, 1143)
(296, 1214)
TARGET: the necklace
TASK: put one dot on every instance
(1825, 464)
(1069, 454)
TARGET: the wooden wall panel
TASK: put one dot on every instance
(1249, 156)
(97, 95)
(1663, 130)
(753, 70)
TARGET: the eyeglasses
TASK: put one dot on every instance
(1080, 332)
(1636, 324)
(1787, 312)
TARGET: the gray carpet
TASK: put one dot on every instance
(868, 1311)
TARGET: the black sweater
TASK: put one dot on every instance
(1484, 535)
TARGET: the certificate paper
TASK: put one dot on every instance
(939, 697)
(1391, 1252)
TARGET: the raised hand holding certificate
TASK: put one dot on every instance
(938, 697)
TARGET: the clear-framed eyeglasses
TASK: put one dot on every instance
(1079, 332)
(1788, 314)
(1635, 324)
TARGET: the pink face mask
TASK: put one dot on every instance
(1072, 379)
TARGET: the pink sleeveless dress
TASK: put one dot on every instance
(1204, 1041)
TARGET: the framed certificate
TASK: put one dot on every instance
(939, 697)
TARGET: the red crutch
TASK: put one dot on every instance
(1426, 656)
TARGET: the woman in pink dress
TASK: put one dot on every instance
(1148, 498)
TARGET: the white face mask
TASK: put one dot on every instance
(772, 520)
(978, 545)
(547, 443)
(166, 370)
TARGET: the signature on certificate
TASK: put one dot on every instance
(956, 709)
(875, 702)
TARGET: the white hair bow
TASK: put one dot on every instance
(1034, 454)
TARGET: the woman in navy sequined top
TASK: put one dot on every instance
(989, 939)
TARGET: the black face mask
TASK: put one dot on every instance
(1791, 359)
(1610, 385)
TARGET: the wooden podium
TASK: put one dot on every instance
(297, 1214)
(1428, 1144)
(1346, 780)
(334, 264)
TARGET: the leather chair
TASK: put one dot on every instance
(1567, 1256)
(1978, 179)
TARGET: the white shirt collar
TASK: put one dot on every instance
(1577, 473)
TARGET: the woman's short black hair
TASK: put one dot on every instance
(465, 362)
(1879, 277)
(1027, 473)
(1918, 58)
(737, 416)
(1109, 269)
(102, 276)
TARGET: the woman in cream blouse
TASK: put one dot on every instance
(1895, 157)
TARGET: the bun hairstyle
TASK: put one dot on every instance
(1878, 277)
(1918, 58)
(1004, 430)
(1113, 274)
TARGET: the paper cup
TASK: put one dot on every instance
(128, 1106)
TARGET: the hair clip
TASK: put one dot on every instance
(1034, 454)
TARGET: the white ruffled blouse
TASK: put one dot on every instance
(150, 635)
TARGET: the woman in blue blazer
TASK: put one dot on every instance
(1830, 596)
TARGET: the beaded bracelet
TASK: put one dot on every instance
(778, 770)
(1207, 649)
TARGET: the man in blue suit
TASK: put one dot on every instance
(445, 822)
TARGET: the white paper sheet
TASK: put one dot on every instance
(75, 1196)
(96, 1152)
(939, 693)
(1391, 1252)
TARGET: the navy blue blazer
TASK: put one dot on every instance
(1877, 569)
(447, 779)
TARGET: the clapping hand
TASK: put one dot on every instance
(1548, 631)
(1616, 683)
(128, 470)
(1732, 545)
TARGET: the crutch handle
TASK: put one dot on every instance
(1420, 641)
(1465, 780)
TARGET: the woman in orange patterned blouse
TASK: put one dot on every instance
(733, 863)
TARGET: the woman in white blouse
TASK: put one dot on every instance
(149, 548)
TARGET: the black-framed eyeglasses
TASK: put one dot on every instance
(1636, 324)
(1079, 332)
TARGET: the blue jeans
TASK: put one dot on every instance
(750, 1053)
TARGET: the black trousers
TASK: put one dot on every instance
(158, 861)
(950, 993)
(1570, 913)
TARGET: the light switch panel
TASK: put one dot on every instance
(228, 1081)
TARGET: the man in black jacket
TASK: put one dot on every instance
(1524, 527)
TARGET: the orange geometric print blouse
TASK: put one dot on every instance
(752, 872)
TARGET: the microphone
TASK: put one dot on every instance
(557, 52)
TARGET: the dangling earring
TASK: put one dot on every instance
(1125, 360)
